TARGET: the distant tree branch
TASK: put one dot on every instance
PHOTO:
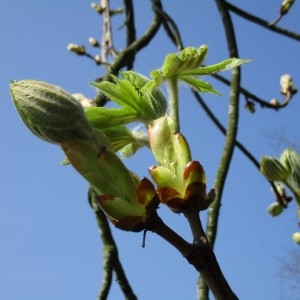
(261, 22)
(171, 28)
(123, 56)
(130, 30)
(239, 145)
(248, 95)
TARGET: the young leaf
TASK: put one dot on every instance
(224, 65)
(199, 85)
(121, 92)
(103, 117)
(130, 93)
(125, 140)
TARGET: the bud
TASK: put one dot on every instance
(250, 106)
(275, 209)
(296, 237)
(98, 8)
(79, 50)
(127, 201)
(93, 42)
(287, 85)
(273, 169)
(285, 6)
(57, 117)
(181, 181)
(274, 102)
(49, 112)
(97, 59)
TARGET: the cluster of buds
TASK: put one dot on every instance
(57, 117)
(181, 181)
(91, 137)
(284, 171)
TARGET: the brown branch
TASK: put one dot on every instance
(200, 255)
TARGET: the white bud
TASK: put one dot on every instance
(286, 83)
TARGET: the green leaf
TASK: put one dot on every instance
(176, 63)
(136, 79)
(189, 58)
(103, 117)
(153, 103)
(199, 85)
(125, 140)
(145, 103)
(225, 65)
(121, 92)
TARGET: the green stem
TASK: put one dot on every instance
(174, 102)
(111, 259)
(213, 215)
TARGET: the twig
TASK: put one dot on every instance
(239, 145)
(173, 33)
(261, 22)
(249, 95)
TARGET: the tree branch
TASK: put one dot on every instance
(172, 30)
(110, 255)
(213, 214)
(239, 145)
(248, 95)
(261, 22)
(199, 254)
(130, 30)
(123, 56)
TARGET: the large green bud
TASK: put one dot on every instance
(55, 116)
(49, 112)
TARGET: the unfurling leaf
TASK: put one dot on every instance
(130, 93)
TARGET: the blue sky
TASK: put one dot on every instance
(50, 245)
